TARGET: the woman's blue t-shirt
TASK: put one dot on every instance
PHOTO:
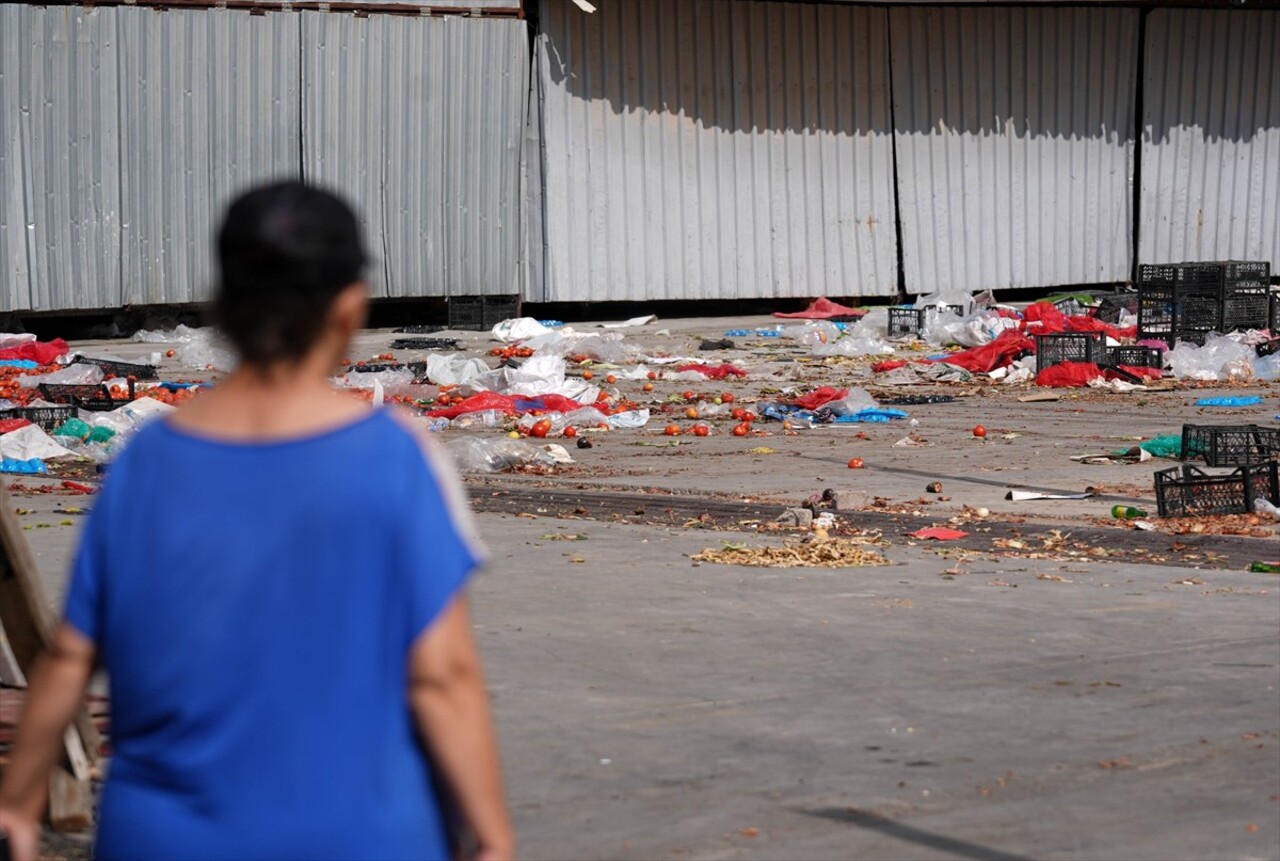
(255, 605)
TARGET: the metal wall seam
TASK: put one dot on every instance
(715, 149)
(209, 106)
(1211, 137)
(60, 213)
(420, 122)
(1015, 145)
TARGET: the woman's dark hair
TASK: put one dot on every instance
(285, 251)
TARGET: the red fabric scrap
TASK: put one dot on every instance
(940, 533)
(824, 395)
(891, 365)
(11, 425)
(714, 372)
(1144, 372)
(821, 309)
(1093, 324)
(1042, 318)
(1068, 375)
(40, 352)
(483, 401)
(1002, 351)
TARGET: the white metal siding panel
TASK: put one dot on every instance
(1015, 145)
(59, 152)
(420, 122)
(1211, 137)
(715, 149)
(209, 107)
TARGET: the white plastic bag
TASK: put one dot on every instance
(453, 369)
(518, 329)
(31, 441)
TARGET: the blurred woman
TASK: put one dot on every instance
(273, 579)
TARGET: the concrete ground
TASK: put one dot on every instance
(953, 704)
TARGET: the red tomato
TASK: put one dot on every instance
(672, 430)
(980, 431)
(855, 463)
(540, 428)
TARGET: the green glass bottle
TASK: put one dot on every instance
(1126, 512)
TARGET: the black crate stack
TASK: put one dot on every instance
(1187, 301)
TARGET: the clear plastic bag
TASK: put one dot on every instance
(495, 454)
(74, 375)
(1221, 358)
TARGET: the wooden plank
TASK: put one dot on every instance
(70, 802)
(27, 622)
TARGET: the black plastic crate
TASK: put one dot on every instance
(1188, 490)
(477, 313)
(1230, 445)
(120, 369)
(1136, 357)
(1054, 349)
(1247, 275)
(1246, 309)
(1070, 306)
(1168, 316)
(86, 397)
(47, 418)
(905, 320)
(426, 343)
(418, 329)
(1187, 279)
(1111, 305)
(1275, 312)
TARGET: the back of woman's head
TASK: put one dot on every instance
(285, 251)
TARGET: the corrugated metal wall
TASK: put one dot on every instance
(124, 132)
(208, 106)
(714, 149)
(1211, 137)
(60, 183)
(1014, 132)
(421, 121)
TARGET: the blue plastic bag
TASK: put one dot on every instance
(34, 466)
(878, 415)
(1243, 401)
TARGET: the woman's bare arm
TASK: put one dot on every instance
(447, 693)
(57, 687)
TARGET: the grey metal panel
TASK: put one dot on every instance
(60, 206)
(420, 122)
(715, 149)
(209, 105)
(1211, 137)
(1015, 145)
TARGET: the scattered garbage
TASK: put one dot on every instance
(842, 552)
